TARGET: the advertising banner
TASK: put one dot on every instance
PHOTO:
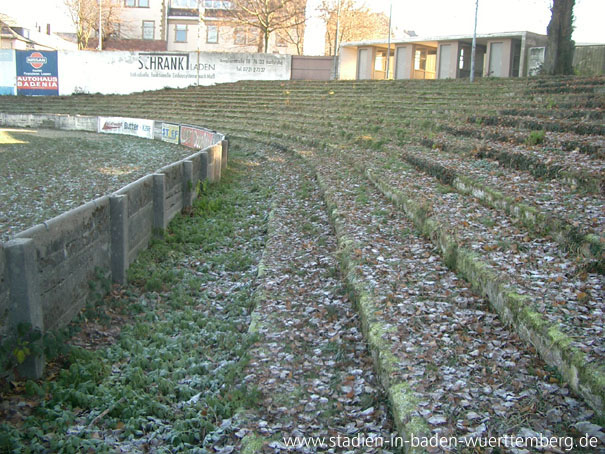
(128, 126)
(129, 72)
(197, 138)
(170, 133)
(37, 72)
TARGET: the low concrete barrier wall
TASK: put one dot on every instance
(69, 249)
(139, 215)
(45, 271)
(50, 121)
(4, 297)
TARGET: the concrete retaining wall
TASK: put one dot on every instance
(119, 72)
(50, 121)
(139, 199)
(45, 271)
(4, 300)
(69, 249)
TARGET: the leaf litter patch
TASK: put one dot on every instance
(472, 376)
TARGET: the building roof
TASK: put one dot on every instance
(8, 20)
(424, 39)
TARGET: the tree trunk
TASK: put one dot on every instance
(266, 41)
(558, 58)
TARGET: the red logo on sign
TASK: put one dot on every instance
(36, 59)
(109, 125)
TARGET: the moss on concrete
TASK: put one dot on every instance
(515, 309)
(252, 444)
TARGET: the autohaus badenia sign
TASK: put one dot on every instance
(37, 72)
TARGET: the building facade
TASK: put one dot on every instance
(446, 57)
(192, 25)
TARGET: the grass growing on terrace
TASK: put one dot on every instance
(171, 379)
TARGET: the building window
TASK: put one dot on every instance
(136, 3)
(148, 29)
(380, 64)
(280, 39)
(461, 62)
(245, 36)
(180, 33)
(212, 34)
(239, 36)
(189, 4)
(420, 60)
(217, 4)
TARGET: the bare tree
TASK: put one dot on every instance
(268, 16)
(296, 36)
(558, 58)
(85, 16)
(356, 23)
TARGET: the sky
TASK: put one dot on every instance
(425, 17)
(456, 17)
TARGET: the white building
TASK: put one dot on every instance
(497, 55)
(191, 25)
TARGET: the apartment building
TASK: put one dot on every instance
(191, 25)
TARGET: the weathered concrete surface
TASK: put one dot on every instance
(118, 205)
(50, 121)
(140, 214)
(188, 185)
(4, 294)
(215, 154)
(70, 248)
(173, 187)
(25, 305)
(159, 202)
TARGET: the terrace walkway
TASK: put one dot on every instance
(449, 235)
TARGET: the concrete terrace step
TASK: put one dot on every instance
(584, 372)
(451, 169)
(412, 310)
(310, 365)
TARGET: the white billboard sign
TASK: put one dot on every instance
(128, 126)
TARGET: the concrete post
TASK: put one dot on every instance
(523, 56)
(204, 166)
(218, 158)
(188, 189)
(159, 201)
(214, 163)
(25, 302)
(118, 209)
(211, 161)
(225, 156)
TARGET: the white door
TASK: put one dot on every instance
(403, 62)
(495, 60)
(364, 67)
(445, 61)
